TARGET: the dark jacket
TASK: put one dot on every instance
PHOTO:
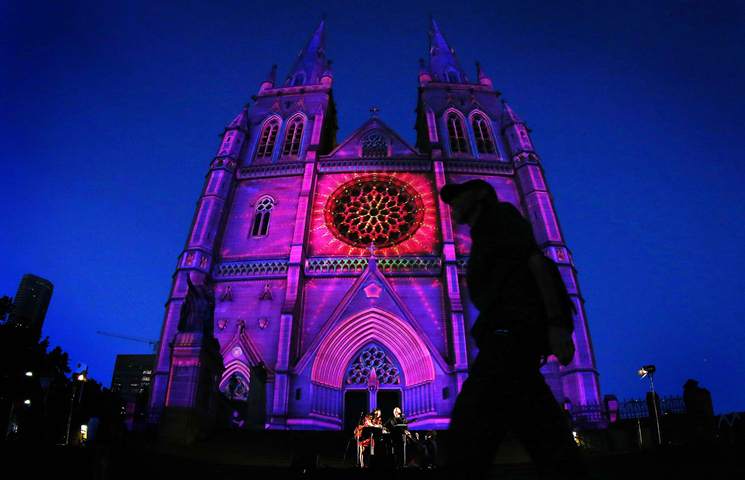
(500, 282)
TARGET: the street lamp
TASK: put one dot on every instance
(648, 371)
(81, 377)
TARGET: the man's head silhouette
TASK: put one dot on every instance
(468, 198)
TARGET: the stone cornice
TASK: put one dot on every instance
(422, 164)
(271, 170)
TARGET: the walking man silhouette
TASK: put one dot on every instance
(525, 314)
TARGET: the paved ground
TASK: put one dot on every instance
(281, 455)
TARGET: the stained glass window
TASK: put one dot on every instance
(293, 137)
(484, 142)
(380, 210)
(267, 139)
(374, 145)
(261, 218)
(373, 357)
(458, 143)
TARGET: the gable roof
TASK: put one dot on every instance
(371, 291)
(349, 147)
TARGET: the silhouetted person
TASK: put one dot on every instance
(699, 412)
(525, 314)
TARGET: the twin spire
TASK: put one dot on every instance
(311, 64)
(443, 63)
(311, 67)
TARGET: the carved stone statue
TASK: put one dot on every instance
(198, 309)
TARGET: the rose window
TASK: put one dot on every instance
(373, 357)
(380, 210)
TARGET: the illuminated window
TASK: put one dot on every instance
(268, 137)
(380, 210)
(293, 137)
(458, 142)
(484, 142)
(261, 219)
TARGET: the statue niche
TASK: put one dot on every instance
(198, 310)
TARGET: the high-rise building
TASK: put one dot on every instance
(31, 302)
(335, 264)
(132, 374)
(131, 380)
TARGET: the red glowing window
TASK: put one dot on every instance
(380, 210)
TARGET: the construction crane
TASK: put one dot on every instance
(153, 343)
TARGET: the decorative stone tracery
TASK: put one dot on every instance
(373, 357)
(380, 210)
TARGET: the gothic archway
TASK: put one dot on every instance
(337, 350)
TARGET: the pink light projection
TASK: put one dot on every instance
(372, 325)
(325, 239)
(378, 210)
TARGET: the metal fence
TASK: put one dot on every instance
(636, 408)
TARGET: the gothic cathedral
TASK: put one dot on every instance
(336, 273)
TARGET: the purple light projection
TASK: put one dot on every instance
(284, 229)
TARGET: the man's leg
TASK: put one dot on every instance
(477, 426)
(544, 430)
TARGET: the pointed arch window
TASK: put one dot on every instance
(298, 79)
(482, 134)
(293, 137)
(369, 359)
(267, 139)
(458, 143)
(261, 218)
(452, 76)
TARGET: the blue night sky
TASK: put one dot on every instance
(110, 116)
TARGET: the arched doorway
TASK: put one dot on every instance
(372, 380)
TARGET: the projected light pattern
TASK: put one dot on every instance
(421, 240)
(382, 210)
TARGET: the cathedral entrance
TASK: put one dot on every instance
(355, 405)
(388, 399)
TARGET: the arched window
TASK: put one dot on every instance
(458, 143)
(268, 137)
(298, 79)
(261, 218)
(373, 357)
(484, 141)
(452, 77)
(374, 145)
(293, 136)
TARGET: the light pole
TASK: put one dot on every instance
(81, 377)
(648, 371)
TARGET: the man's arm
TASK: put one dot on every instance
(560, 339)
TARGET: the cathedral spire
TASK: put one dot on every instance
(443, 63)
(311, 62)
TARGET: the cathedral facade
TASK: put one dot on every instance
(336, 267)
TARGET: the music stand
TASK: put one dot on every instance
(401, 429)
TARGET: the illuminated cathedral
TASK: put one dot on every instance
(334, 268)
